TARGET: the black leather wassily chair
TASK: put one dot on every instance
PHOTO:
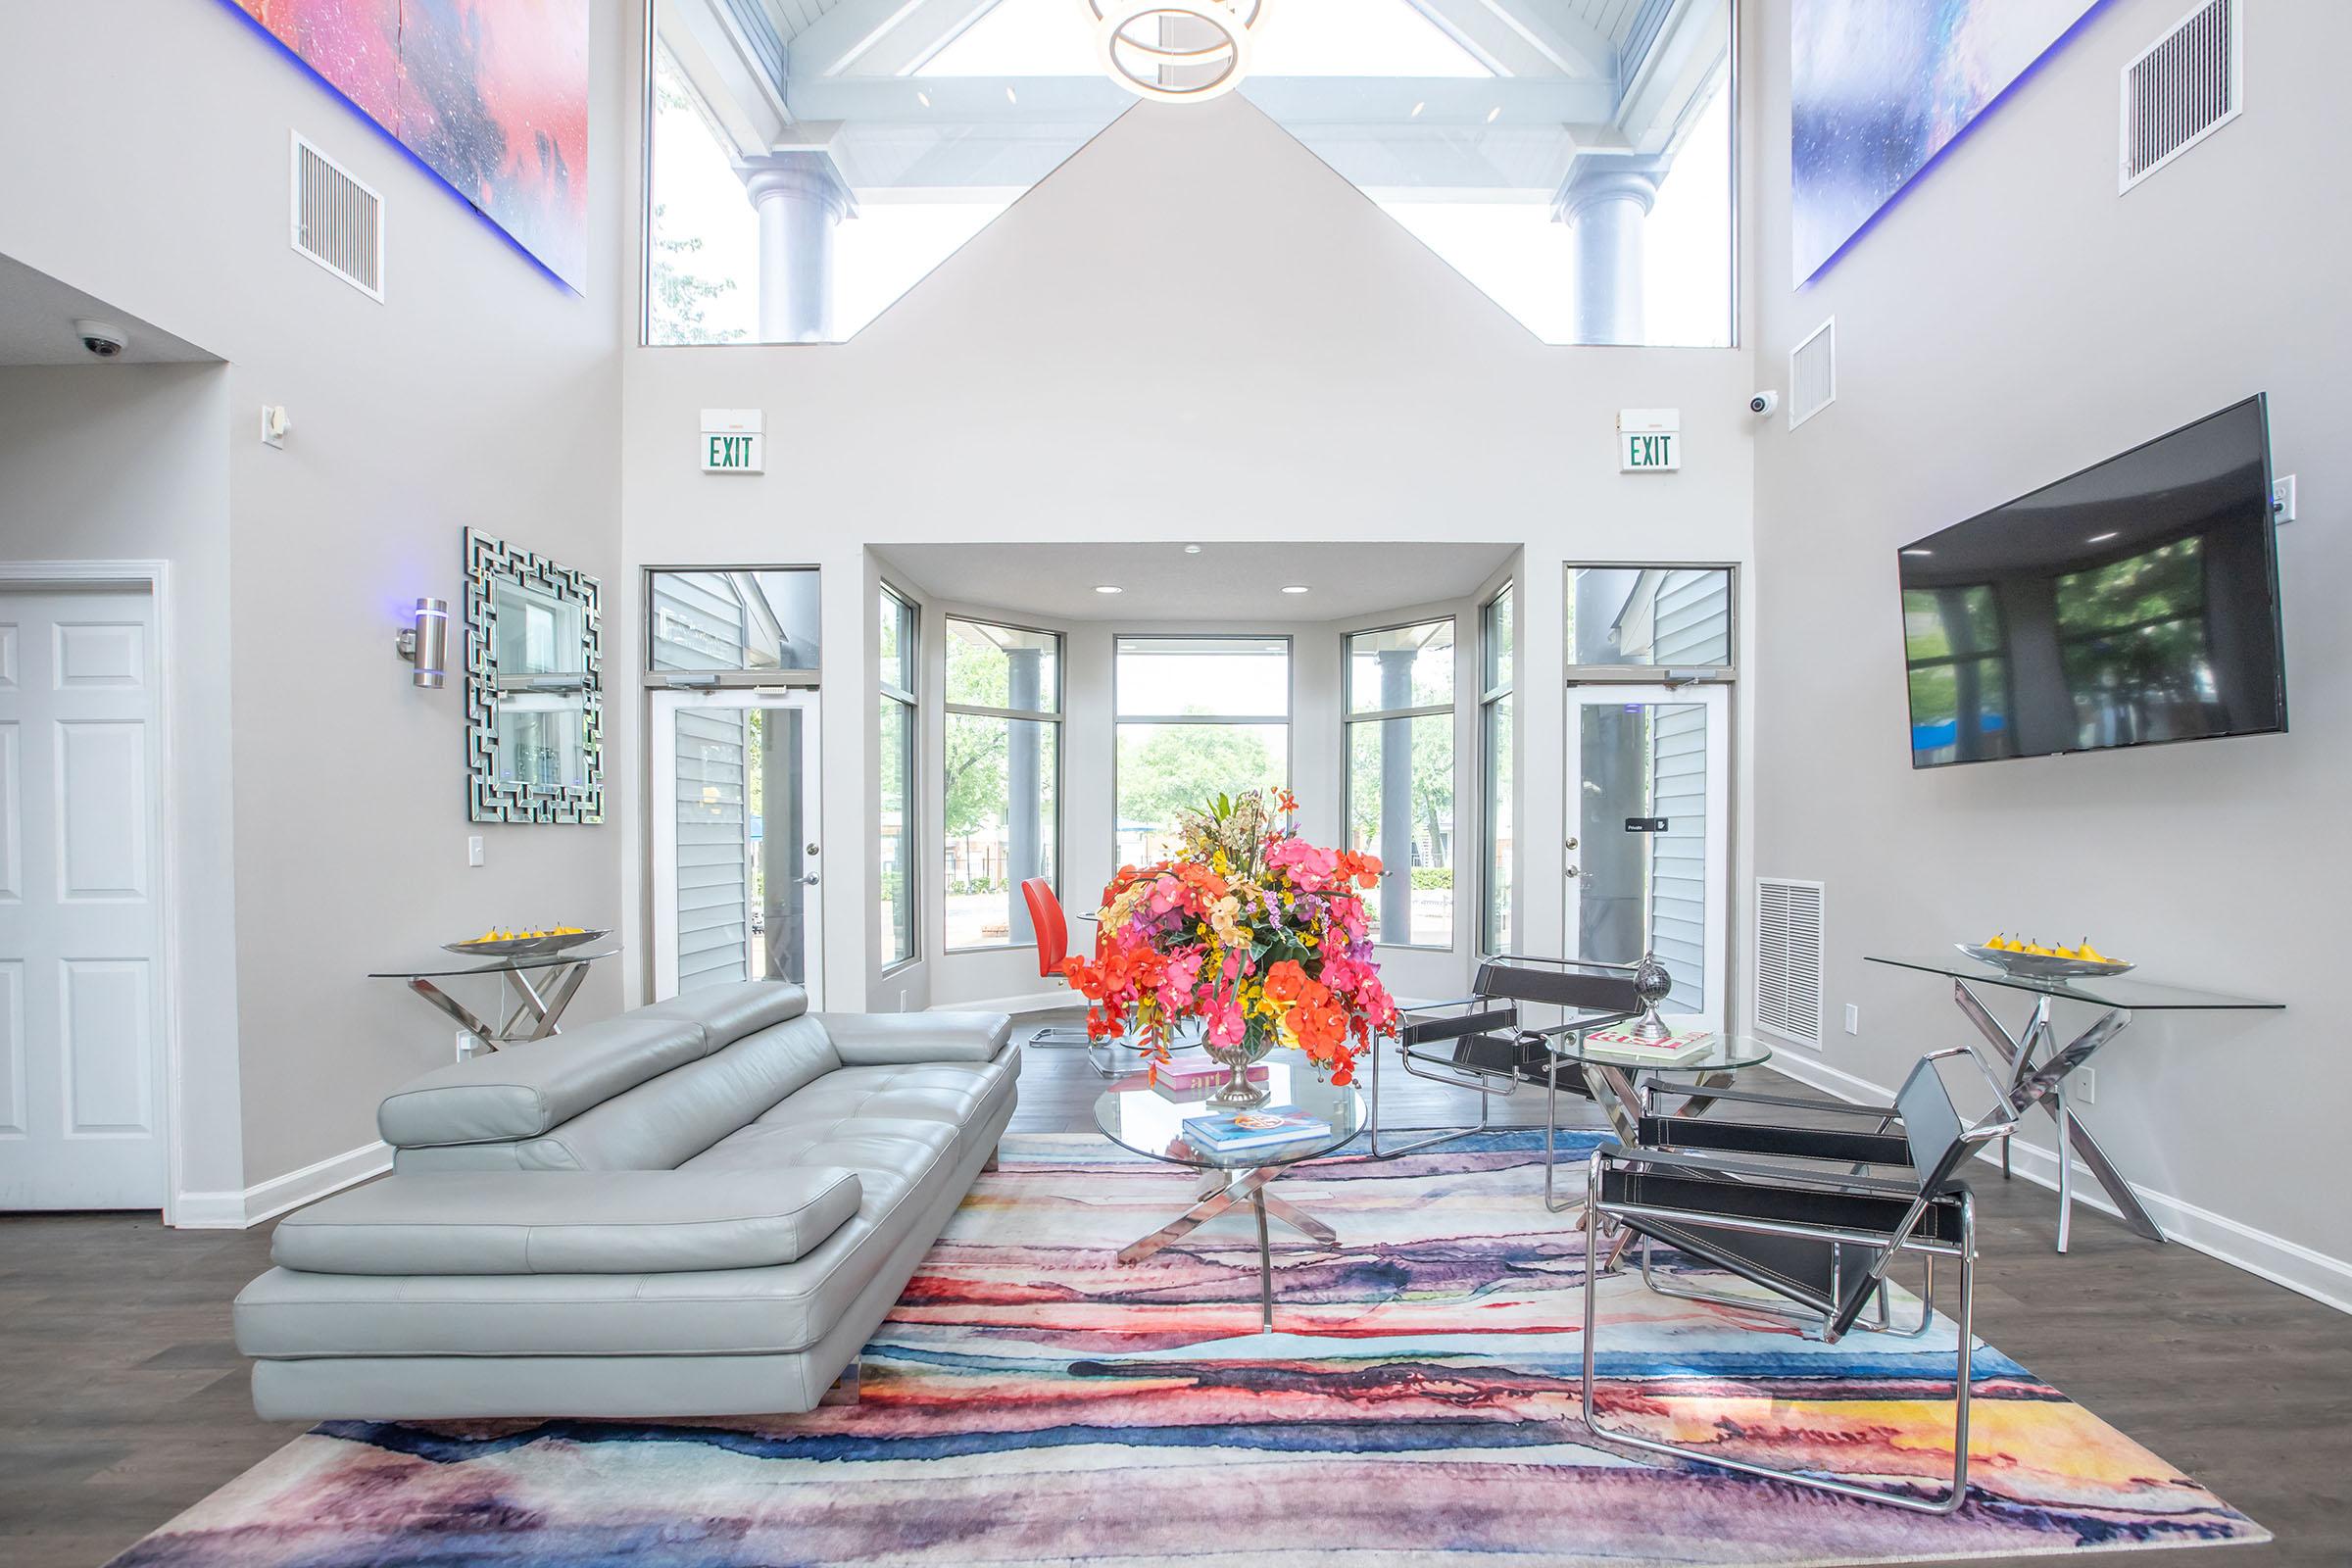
(1482, 1042)
(1789, 1210)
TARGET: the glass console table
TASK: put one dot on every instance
(2035, 1066)
(541, 986)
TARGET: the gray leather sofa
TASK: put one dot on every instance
(702, 1207)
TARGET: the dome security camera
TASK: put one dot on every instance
(103, 339)
(1763, 402)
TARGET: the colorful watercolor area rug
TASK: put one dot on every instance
(1032, 1401)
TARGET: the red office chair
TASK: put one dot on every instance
(1053, 931)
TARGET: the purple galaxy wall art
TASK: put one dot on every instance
(491, 95)
(1878, 90)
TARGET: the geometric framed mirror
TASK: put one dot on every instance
(534, 687)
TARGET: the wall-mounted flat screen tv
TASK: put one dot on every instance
(2133, 602)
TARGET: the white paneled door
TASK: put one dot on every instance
(736, 852)
(1647, 834)
(81, 1091)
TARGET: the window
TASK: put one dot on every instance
(1399, 787)
(1003, 778)
(895, 884)
(1197, 717)
(1495, 632)
(743, 620)
(1677, 616)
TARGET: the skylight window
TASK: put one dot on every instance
(1023, 38)
(1356, 38)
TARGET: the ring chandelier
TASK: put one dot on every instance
(1177, 51)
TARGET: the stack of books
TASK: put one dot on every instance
(1686, 1045)
(1230, 1130)
(1190, 1074)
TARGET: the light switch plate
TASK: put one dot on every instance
(2085, 1086)
(474, 849)
(1853, 1020)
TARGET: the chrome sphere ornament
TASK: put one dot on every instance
(1652, 983)
(1176, 51)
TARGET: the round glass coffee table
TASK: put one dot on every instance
(1147, 1121)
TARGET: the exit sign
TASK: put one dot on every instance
(1650, 440)
(731, 441)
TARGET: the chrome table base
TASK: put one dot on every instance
(1225, 1192)
(536, 1013)
(2036, 1073)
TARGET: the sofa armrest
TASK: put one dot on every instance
(894, 1039)
(569, 1222)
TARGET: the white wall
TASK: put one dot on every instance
(1309, 372)
(481, 392)
(2010, 320)
(127, 462)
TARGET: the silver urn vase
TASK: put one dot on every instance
(1238, 1093)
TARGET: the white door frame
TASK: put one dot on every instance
(1716, 697)
(154, 578)
(663, 841)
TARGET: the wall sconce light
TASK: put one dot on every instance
(426, 643)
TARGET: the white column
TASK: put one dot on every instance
(801, 199)
(1606, 202)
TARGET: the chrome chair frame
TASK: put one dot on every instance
(1829, 1315)
(1490, 1083)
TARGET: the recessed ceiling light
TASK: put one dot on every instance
(1294, 588)
(1010, 96)
(1493, 114)
(1417, 108)
(923, 98)
(1192, 550)
(2102, 538)
(1919, 552)
(1108, 588)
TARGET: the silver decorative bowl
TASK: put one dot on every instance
(2034, 966)
(523, 946)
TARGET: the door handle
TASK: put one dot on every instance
(1572, 871)
(809, 880)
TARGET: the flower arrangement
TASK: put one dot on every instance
(1249, 930)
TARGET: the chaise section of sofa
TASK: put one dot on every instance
(702, 1207)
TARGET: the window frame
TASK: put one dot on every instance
(1652, 674)
(1057, 717)
(1287, 718)
(909, 699)
(1350, 718)
(703, 679)
(1490, 698)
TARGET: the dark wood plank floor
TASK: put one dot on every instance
(123, 1401)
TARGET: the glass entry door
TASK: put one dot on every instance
(736, 850)
(1646, 852)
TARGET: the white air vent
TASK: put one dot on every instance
(2188, 84)
(1788, 957)
(338, 222)
(1813, 374)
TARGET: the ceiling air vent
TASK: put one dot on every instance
(1788, 959)
(1813, 374)
(338, 222)
(2188, 84)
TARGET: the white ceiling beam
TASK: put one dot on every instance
(1675, 76)
(1443, 101)
(723, 71)
(1524, 38)
(880, 37)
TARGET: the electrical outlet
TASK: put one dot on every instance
(474, 849)
(1853, 1020)
(2283, 498)
(2085, 1086)
(467, 1044)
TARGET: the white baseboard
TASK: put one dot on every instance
(2291, 1264)
(268, 1199)
(1020, 1006)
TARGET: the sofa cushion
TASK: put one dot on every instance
(731, 1012)
(668, 1121)
(569, 1222)
(526, 1089)
(877, 1039)
(909, 1172)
